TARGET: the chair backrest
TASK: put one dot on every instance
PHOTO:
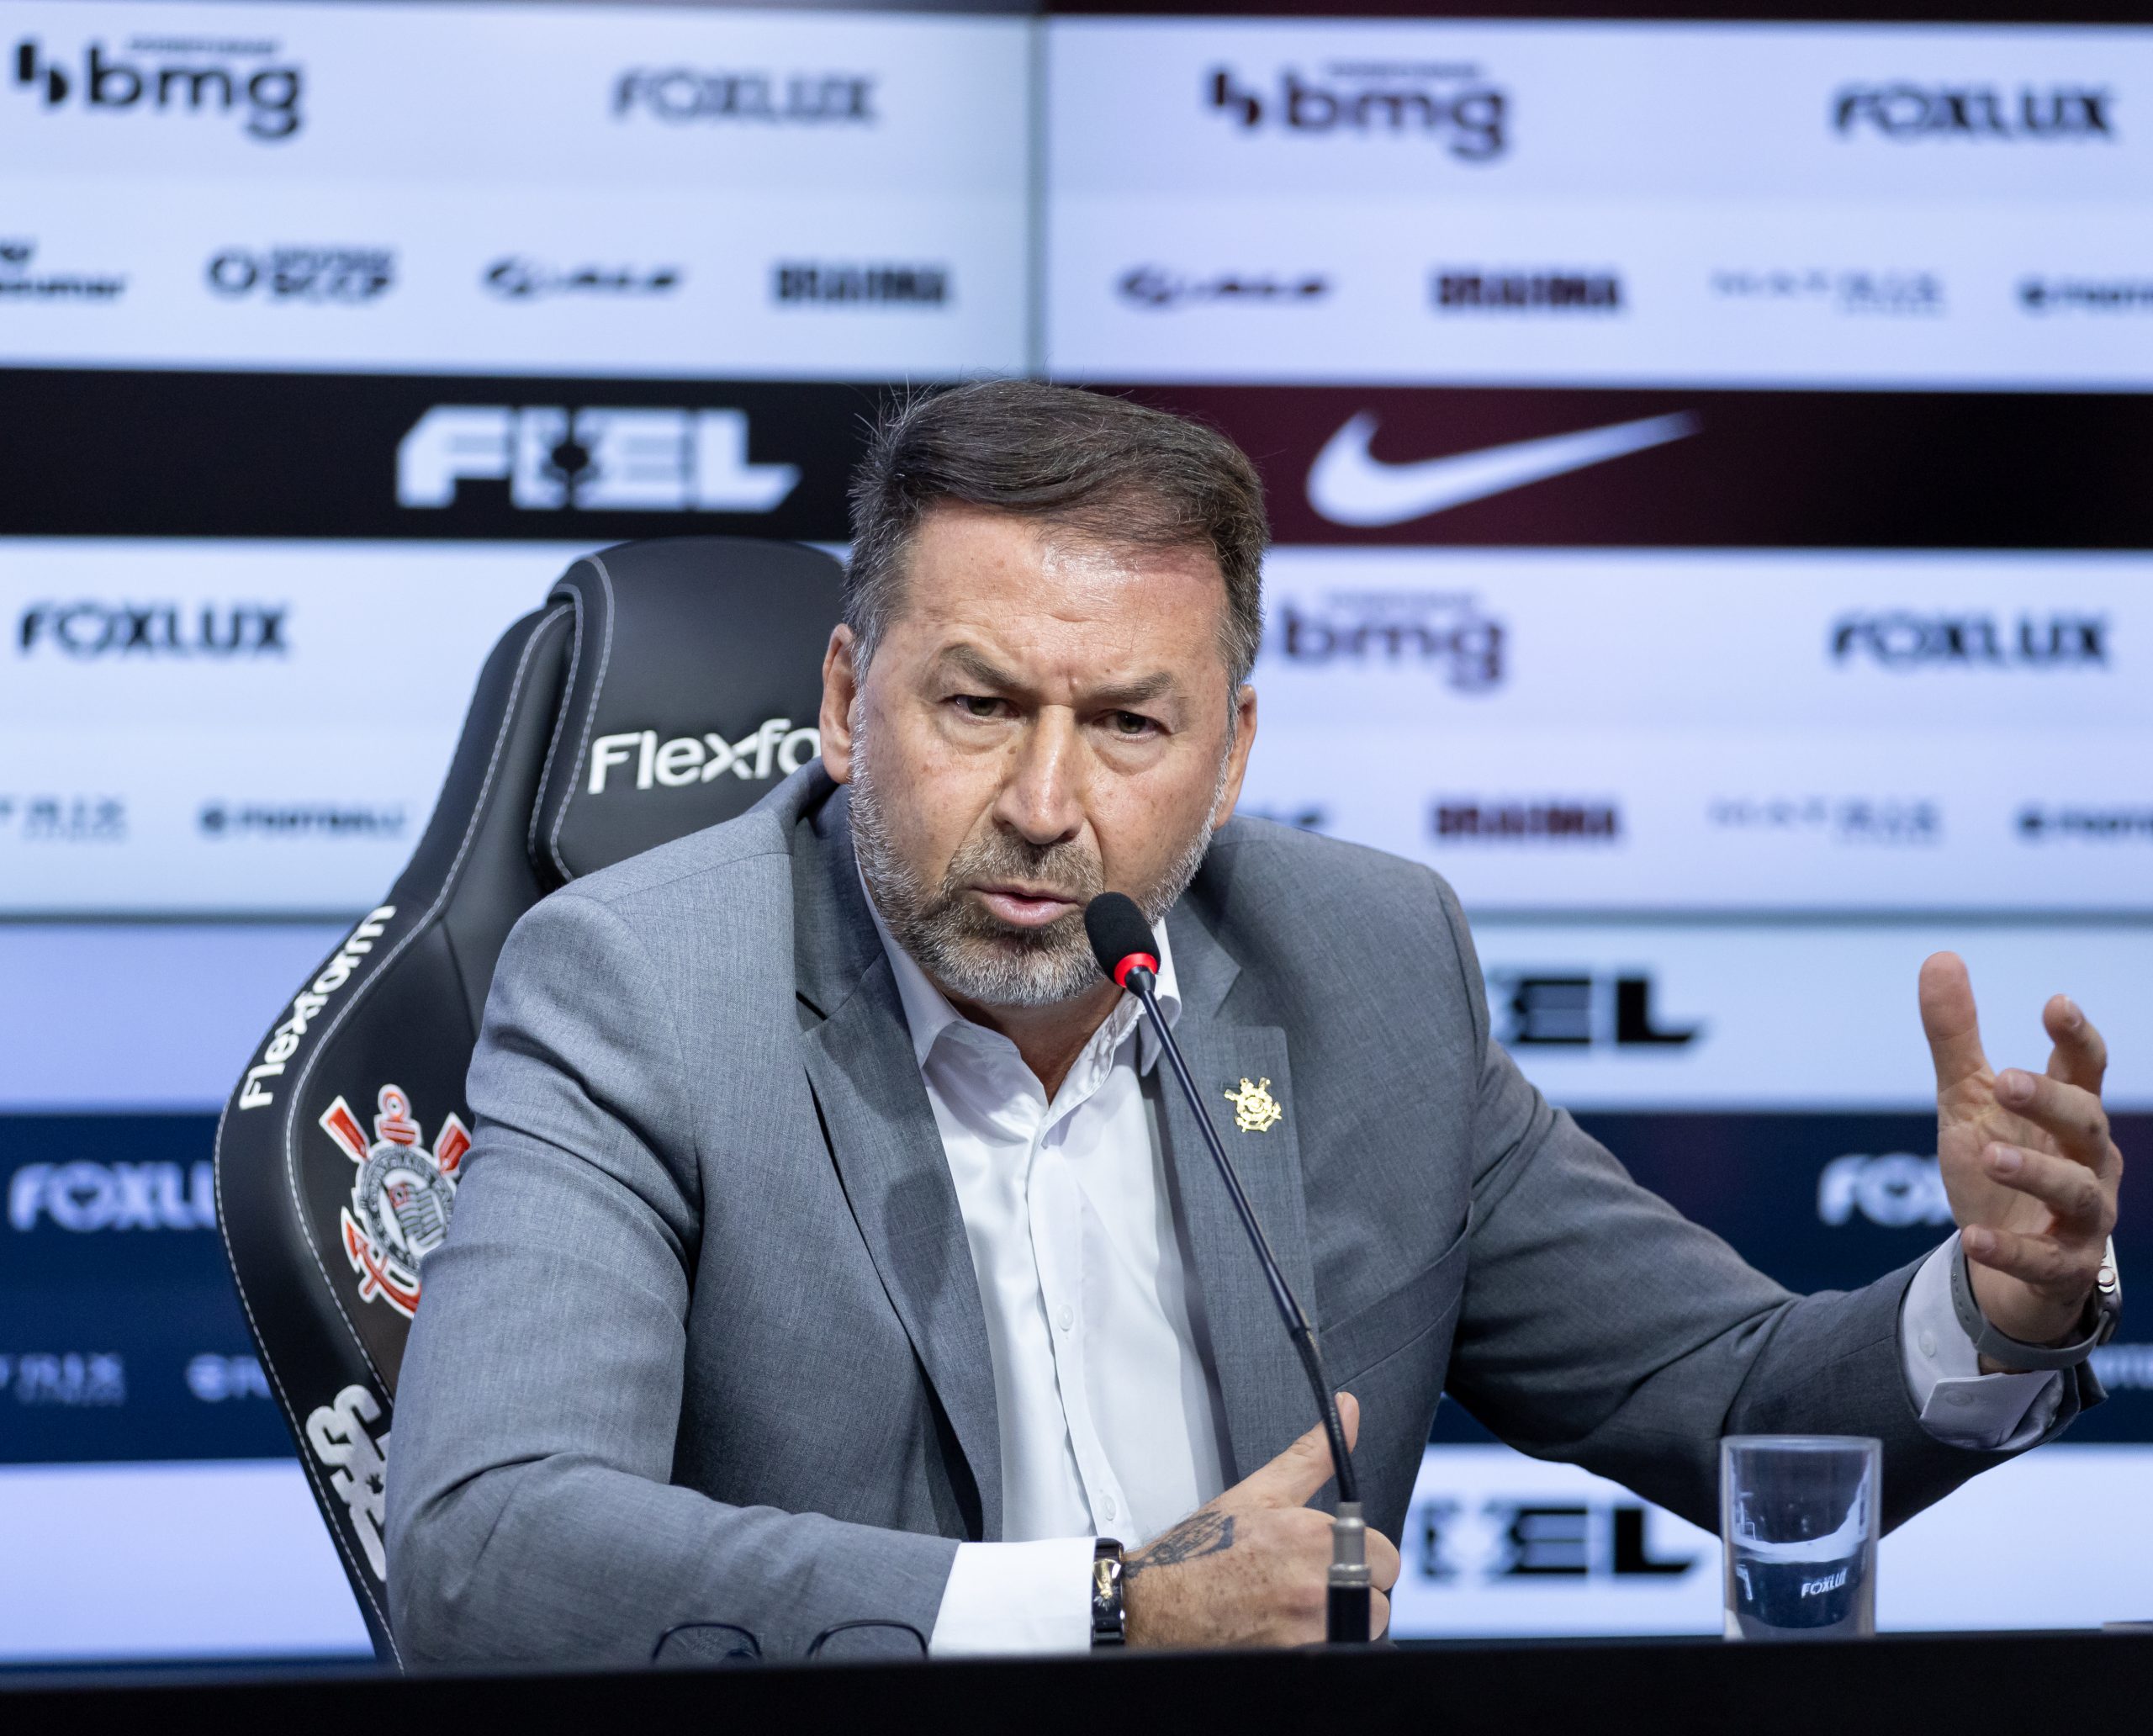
(664, 687)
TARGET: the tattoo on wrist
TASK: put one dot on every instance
(1203, 1533)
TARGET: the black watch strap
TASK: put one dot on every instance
(1109, 1619)
(2103, 1310)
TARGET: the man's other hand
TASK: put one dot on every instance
(2028, 1165)
(1252, 1568)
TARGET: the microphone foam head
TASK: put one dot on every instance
(1117, 932)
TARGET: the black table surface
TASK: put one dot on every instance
(1965, 1684)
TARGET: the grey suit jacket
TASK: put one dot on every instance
(704, 1345)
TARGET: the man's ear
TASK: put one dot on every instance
(1237, 755)
(840, 690)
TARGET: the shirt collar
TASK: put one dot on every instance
(929, 1013)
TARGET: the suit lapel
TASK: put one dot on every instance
(1261, 1383)
(887, 1147)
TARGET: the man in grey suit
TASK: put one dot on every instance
(829, 1252)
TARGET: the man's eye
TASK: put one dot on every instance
(1131, 723)
(975, 704)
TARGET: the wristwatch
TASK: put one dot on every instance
(2105, 1306)
(1109, 1620)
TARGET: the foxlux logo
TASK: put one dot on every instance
(86, 1197)
(1895, 1191)
(679, 94)
(94, 629)
(692, 759)
(1906, 111)
(1442, 631)
(592, 460)
(1902, 639)
(1449, 104)
(173, 75)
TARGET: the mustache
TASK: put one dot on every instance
(1067, 870)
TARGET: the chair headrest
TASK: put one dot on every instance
(694, 684)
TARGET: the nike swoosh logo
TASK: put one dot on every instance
(1348, 486)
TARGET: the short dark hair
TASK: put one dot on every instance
(1109, 470)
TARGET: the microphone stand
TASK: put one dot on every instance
(1347, 1613)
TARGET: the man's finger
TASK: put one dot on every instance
(2080, 1056)
(1383, 1561)
(1289, 1480)
(2068, 1114)
(1379, 1615)
(1949, 1019)
(2066, 1187)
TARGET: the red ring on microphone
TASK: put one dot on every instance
(1122, 970)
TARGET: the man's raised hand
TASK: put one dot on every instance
(2027, 1163)
(1250, 1568)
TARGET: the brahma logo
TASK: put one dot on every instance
(776, 746)
(401, 1196)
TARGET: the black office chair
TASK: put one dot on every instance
(665, 686)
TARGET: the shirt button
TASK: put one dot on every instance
(1929, 1344)
(1107, 1507)
(1958, 1395)
(1066, 1317)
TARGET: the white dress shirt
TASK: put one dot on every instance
(1109, 1423)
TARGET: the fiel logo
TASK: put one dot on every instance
(172, 74)
(591, 460)
(1581, 1009)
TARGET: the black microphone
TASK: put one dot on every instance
(1121, 941)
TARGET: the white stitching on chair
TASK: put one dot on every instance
(589, 714)
(560, 723)
(322, 1492)
(359, 993)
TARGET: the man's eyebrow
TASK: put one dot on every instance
(973, 665)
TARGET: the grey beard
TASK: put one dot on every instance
(967, 951)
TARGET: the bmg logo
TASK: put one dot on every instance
(165, 75)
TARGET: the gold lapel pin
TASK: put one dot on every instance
(1256, 1110)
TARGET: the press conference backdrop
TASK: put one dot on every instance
(1709, 465)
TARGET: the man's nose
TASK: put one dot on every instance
(1042, 799)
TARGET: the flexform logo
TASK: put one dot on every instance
(1455, 819)
(1841, 819)
(284, 821)
(681, 95)
(2085, 295)
(19, 282)
(218, 631)
(2041, 824)
(1156, 286)
(1894, 1191)
(1454, 107)
(517, 279)
(1847, 290)
(1503, 1541)
(1580, 1009)
(1903, 639)
(590, 460)
(84, 1197)
(249, 81)
(346, 275)
(1905, 112)
(1446, 633)
(775, 750)
(821, 283)
(1471, 290)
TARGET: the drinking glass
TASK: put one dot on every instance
(1798, 1513)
